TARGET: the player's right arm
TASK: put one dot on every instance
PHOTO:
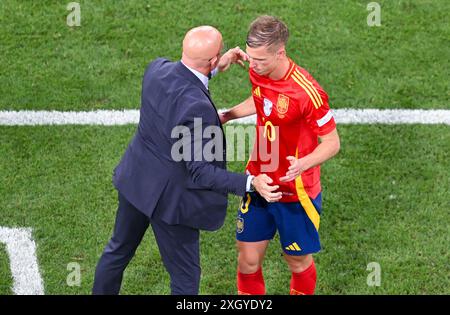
(246, 108)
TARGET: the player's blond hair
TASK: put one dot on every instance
(267, 31)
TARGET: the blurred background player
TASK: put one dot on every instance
(292, 116)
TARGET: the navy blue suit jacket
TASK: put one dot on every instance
(192, 193)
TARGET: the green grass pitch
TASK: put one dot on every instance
(386, 195)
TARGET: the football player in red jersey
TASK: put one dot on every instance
(294, 120)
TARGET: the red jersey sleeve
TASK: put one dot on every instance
(317, 113)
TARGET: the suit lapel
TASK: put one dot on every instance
(191, 77)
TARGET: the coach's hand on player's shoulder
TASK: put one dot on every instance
(234, 55)
(261, 185)
(294, 170)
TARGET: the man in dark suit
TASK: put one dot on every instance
(177, 189)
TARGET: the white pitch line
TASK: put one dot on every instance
(123, 117)
(99, 117)
(21, 250)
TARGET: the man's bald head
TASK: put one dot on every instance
(200, 45)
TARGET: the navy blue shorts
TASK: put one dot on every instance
(258, 220)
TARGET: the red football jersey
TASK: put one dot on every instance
(290, 115)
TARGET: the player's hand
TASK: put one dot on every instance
(294, 170)
(234, 55)
(261, 184)
(224, 117)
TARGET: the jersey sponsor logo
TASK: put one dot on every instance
(267, 107)
(282, 105)
(293, 247)
(257, 91)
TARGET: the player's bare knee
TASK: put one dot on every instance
(248, 268)
(248, 262)
(298, 263)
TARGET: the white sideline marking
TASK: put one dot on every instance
(99, 117)
(123, 117)
(21, 250)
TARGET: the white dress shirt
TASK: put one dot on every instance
(200, 75)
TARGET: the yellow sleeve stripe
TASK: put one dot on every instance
(300, 75)
(309, 84)
(307, 91)
(306, 203)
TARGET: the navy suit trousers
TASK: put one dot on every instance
(178, 246)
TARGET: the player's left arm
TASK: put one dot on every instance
(329, 146)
